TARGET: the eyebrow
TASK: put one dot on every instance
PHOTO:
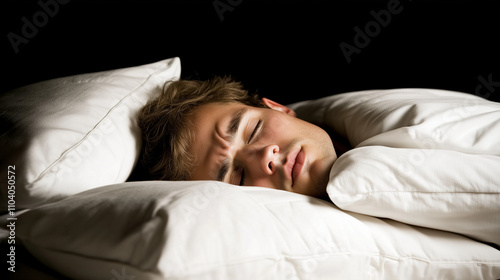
(232, 128)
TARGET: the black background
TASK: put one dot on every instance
(285, 50)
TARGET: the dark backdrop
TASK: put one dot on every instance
(286, 50)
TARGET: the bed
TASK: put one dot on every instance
(417, 197)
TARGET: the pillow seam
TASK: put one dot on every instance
(96, 126)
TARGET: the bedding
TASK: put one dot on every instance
(422, 156)
(415, 198)
(75, 133)
(212, 230)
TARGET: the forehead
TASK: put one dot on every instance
(213, 114)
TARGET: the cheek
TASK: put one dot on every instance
(269, 135)
(287, 128)
(280, 128)
(276, 125)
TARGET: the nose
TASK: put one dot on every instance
(269, 159)
(264, 158)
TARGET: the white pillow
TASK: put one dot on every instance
(439, 189)
(424, 157)
(211, 230)
(75, 133)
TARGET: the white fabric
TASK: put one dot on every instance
(75, 133)
(211, 230)
(425, 157)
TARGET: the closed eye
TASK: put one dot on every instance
(254, 132)
(259, 124)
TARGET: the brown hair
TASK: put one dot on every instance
(166, 131)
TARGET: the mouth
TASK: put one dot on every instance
(294, 164)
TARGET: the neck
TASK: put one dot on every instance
(340, 144)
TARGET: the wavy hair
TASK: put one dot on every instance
(167, 133)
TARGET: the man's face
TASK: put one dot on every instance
(249, 146)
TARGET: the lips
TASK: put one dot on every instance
(299, 163)
(294, 164)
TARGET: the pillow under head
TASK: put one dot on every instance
(66, 135)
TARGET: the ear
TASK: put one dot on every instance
(278, 107)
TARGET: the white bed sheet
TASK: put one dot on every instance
(211, 230)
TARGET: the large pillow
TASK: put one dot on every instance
(424, 157)
(75, 133)
(212, 230)
(440, 189)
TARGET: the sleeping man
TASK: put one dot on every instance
(424, 157)
(215, 130)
